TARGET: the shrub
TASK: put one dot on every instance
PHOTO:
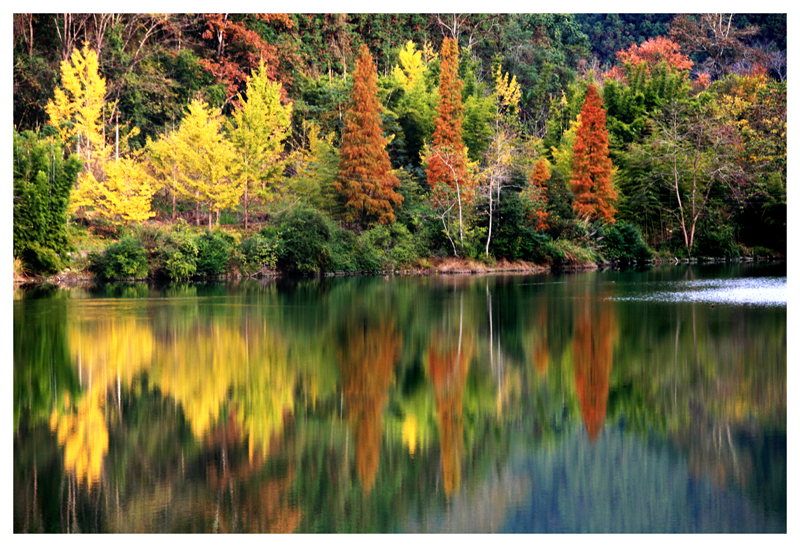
(125, 259)
(623, 242)
(255, 253)
(393, 245)
(38, 258)
(180, 252)
(302, 244)
(215, 252)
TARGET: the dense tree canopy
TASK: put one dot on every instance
(431, 126)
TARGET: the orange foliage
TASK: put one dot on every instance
(654, 51)
(591, 164)
(596, 333)
(365, 172)
(539, 178)
(367, 364)
(448, 366)
(447, 163)
(238, 51)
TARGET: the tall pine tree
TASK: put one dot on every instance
(365, 179)
(591, 165)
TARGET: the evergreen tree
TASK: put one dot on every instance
(591, 165)
(43, 181)
(365, 180)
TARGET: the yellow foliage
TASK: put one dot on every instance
(507, 92)
(77, 108)
(413, 67)
(84, 435)
(122, 195)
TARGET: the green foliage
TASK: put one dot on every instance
(622, 242)
(301, 246)
(214, 252)
(125, 259)
(180, 253)
(256, 252)
(393, 243)
(43, 181)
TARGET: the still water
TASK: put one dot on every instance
(636, 401)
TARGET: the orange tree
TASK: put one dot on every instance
(591, 164)
(365, 180)
(447, 158)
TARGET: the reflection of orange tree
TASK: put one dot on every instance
(596, 333)
(255, 504)
(448, 364)
(540, 351)
(367, 363)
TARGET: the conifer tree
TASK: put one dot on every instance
(447, 158)
(365, 179)
(591, 164)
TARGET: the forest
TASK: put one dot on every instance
(202, 145)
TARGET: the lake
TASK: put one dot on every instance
(613, 401)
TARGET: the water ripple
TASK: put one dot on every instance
(753, 291)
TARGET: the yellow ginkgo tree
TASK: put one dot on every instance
(257, 130)
(205, 161)
(117, 189)
(76, 110)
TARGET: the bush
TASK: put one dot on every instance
(623, 242)
(393, 245)
(214, 252)
(180, 253)
(39, 259)
(255, 253)
(125, 259)
(302, 244)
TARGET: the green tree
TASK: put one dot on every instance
(43, 180)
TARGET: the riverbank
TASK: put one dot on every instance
(430, 267)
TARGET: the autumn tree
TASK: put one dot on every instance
(365, 179)
(124, 193)
(596, 334)
(367, 362)
(591, 164)
(536, 194)
(76, 110)
(205, 158)
(505, 131)
(257, 130)
(448, 174)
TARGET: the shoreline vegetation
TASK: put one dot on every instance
(239, 145)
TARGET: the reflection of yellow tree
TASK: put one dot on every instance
(106, 353)
(448, 364)
(83, 434)
(219, 364)
(367, 364)
(596, 332)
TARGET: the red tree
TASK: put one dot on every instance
(591, 165)
(365, 177)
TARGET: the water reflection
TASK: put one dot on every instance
(371, 405)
